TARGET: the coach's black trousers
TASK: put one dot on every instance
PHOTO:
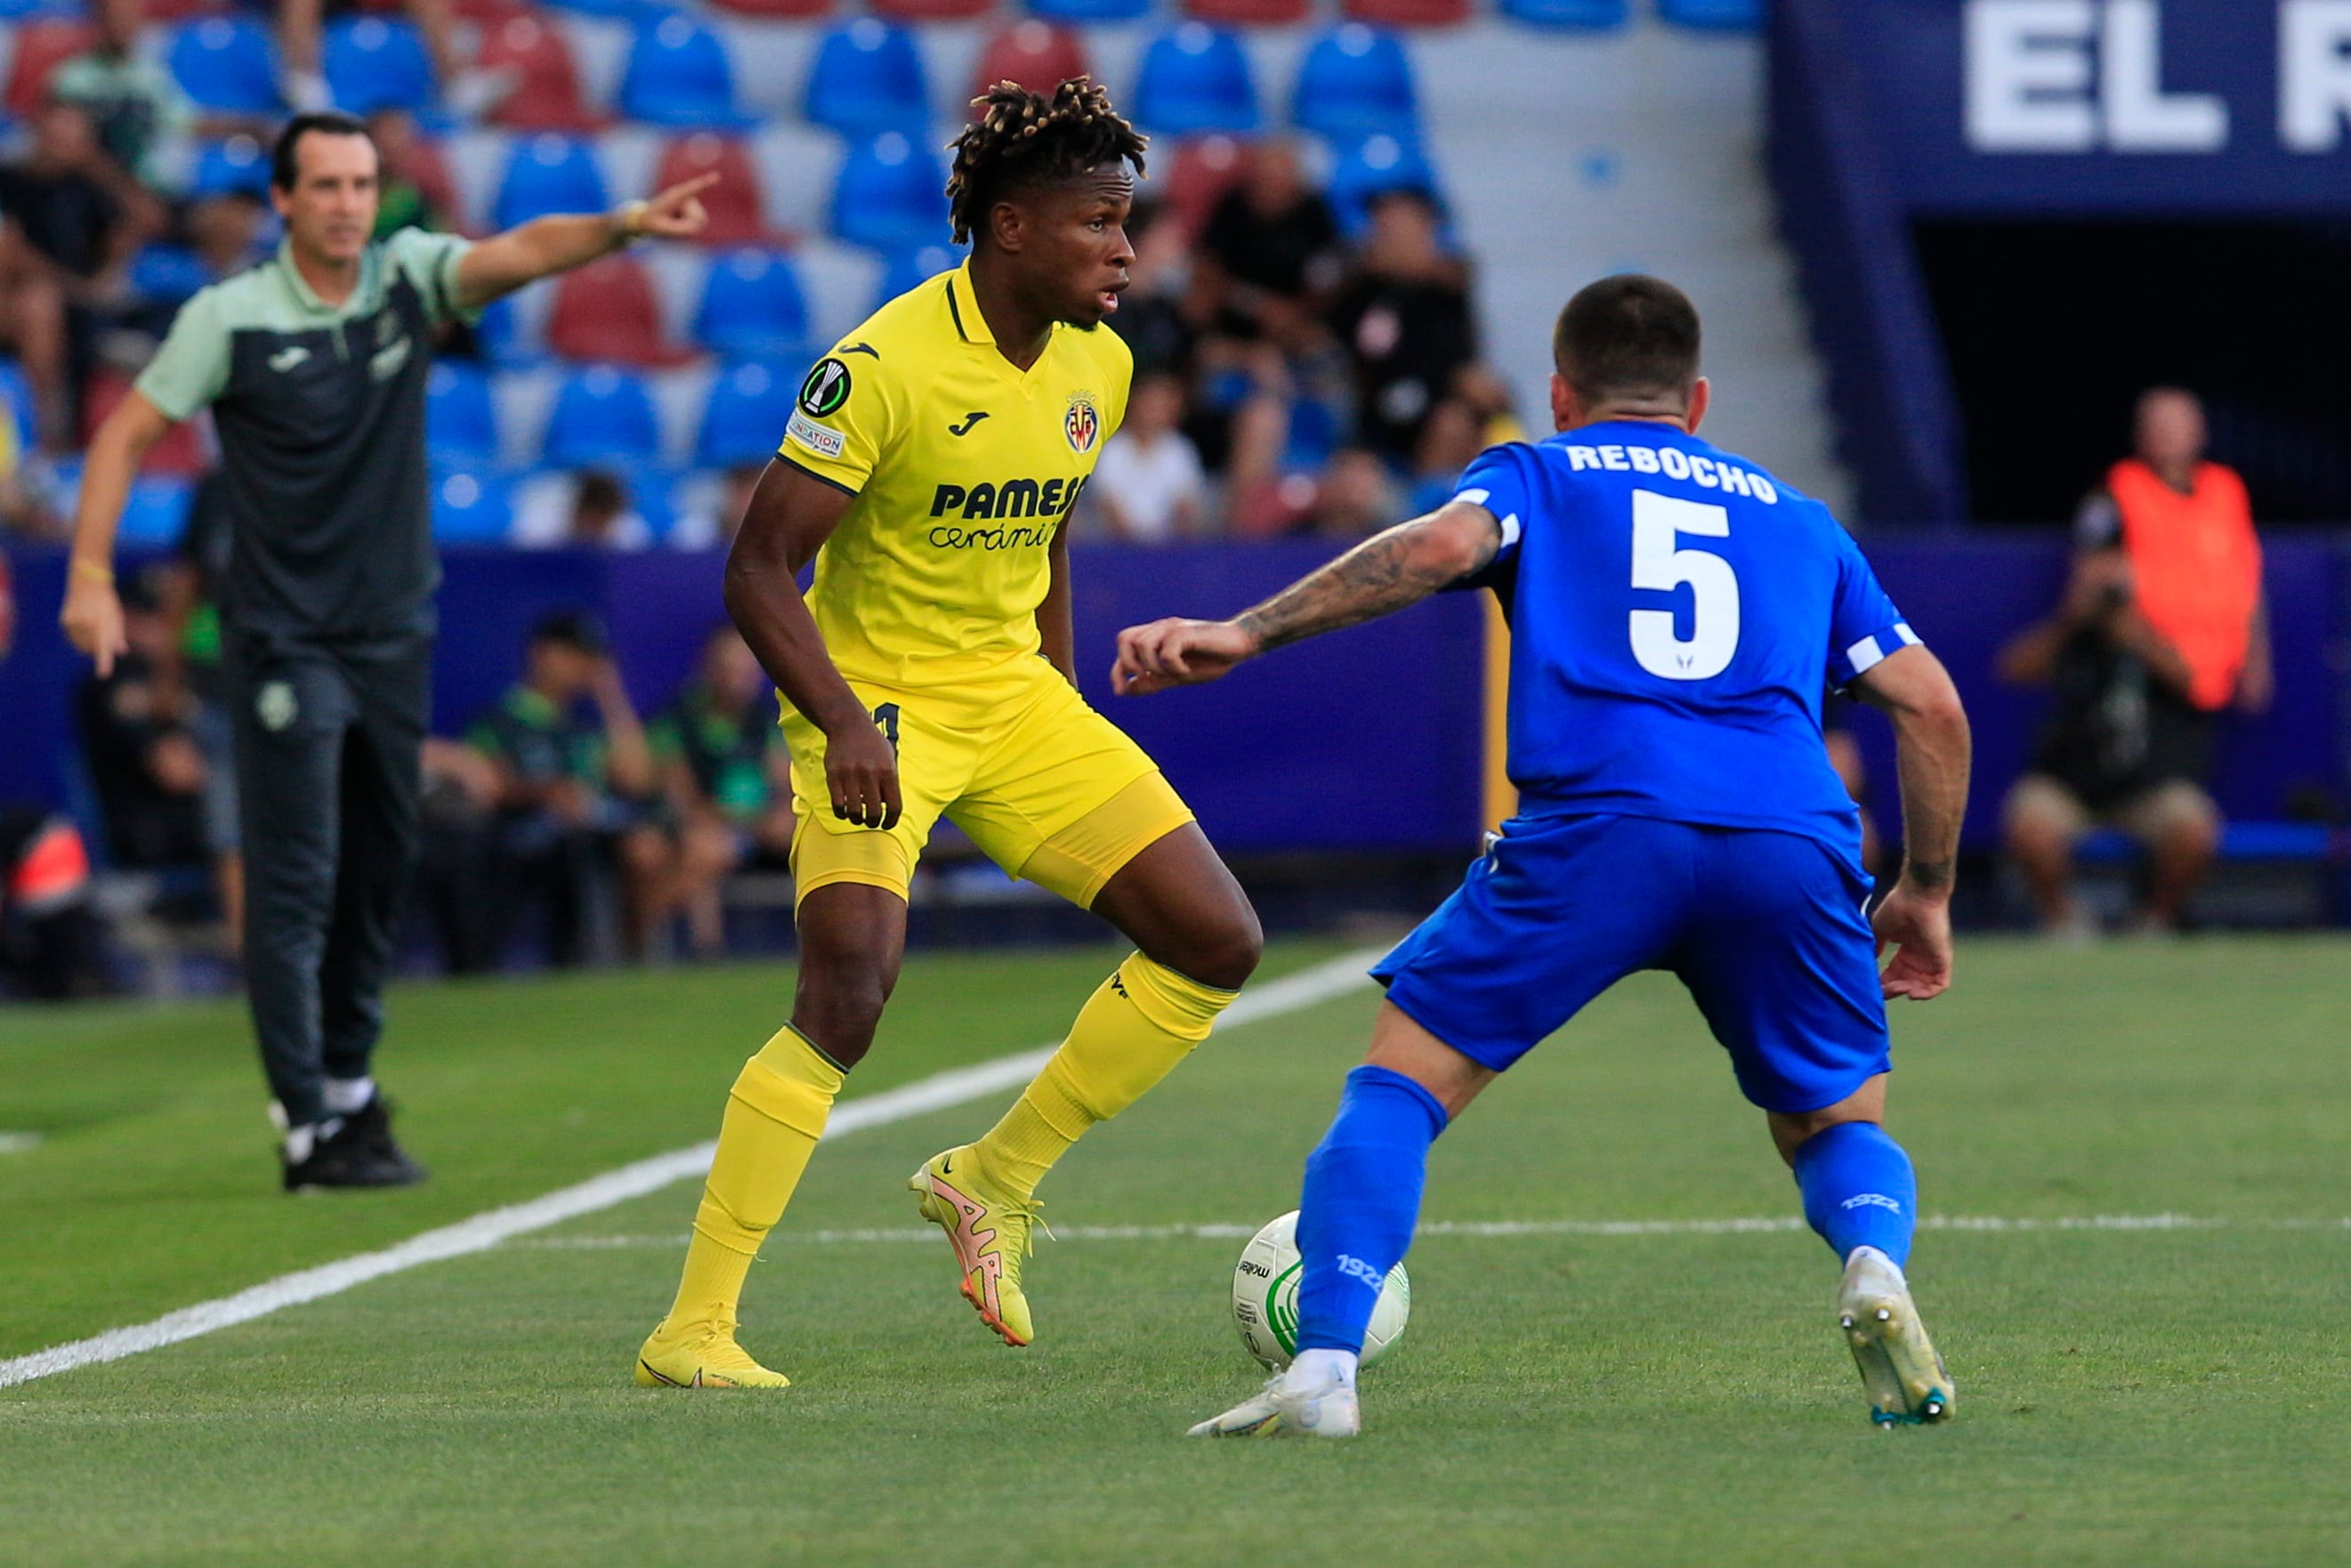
(327, 742)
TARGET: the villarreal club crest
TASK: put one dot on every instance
(1081, 425)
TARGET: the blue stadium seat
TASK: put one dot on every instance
(892, 194)
(868, 77)
(752, 307)
(461, 422)
(1196, 79)
(471, 507)
(26, 10)
(1356, 81)
(1715, 15)
(679, 74)
(228, 63)
(157, 510)
(239, 164)
(500, 336)
(1587, 15)
(168, 273)
(1090, 10)
(603, 416)
(375, 62)
(912, 265)
(618, 10)
(1380, 162)
(16, 397)
(744, 417)
(550, 174)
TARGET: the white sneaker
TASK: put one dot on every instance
(1320, 1403)
(1906, 1383)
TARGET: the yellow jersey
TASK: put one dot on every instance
(963, 467)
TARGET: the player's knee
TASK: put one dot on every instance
(1228, 951)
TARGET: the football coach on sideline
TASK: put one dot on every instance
(314, 362)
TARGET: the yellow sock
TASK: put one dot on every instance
(1131, 1032)
(775, 1115)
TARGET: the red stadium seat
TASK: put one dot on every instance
(182, 450)
(606, 313)
(738, 211)
(485, 14)
(1037, 55)
(772, 9)
(1249, 13)
(1409, 13)
(1204, 168)
(546, 96)
(41, 48)
(932, 10)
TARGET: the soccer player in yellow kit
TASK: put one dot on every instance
(929, 468)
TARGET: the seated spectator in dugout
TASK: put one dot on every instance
(137, 730)
(726, 778)
(573, 792)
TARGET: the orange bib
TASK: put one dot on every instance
(2198, 565)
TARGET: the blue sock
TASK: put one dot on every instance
(1859, 1190)
(1361, 1201)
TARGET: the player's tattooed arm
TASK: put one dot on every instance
(1383, 574)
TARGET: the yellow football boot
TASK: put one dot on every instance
(988, 1229)
(701, 1356)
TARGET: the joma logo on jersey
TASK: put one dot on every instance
(1013, 499)
(1081, 425)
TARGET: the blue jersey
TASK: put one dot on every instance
(1676, 615)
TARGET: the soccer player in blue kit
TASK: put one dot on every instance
(1673, 610)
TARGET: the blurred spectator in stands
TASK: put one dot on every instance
(1450, 439)
(573, 792)
(74, 219)
(2164, 625)
(138, 113)
(457, 861)
(225, 230)
(1270, 249)
(137, 732)
(408, 200)
(593, 512)
(727, 779)
(25, 510)
(464, 92)
(1148, 486)
(49, 937)
(1405, 315)
(1354, 498)
(1163, 311)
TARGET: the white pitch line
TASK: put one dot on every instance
(1318, 983)
(19, 1142)
(1487, 1228)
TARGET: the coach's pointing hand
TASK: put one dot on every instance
(676, 213)
(860, 769)
(92, 617)
(1177, 653)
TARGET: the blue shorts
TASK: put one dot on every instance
(1765, 928)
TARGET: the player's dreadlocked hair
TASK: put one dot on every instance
(1018, 137)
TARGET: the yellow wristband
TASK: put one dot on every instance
(91, 571)
(632, 220)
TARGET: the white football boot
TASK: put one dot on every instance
(1899, 1366)
(1314, 1398)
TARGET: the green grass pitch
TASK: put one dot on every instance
(2127, 1396)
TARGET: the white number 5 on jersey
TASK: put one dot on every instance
(1714, 588)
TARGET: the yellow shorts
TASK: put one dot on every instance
(1049, 789)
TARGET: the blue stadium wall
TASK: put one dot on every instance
(1367, 741)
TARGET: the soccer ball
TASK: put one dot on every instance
(1265, 1298)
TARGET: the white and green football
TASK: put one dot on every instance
(1265, 1298)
